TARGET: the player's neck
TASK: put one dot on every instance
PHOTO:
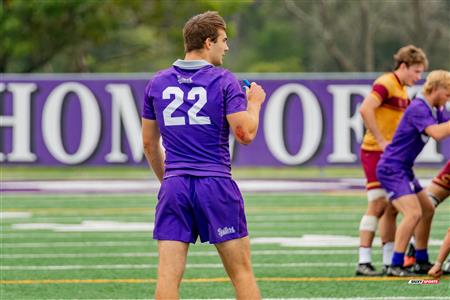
(430, 99)
(197, 55)
(399, 75)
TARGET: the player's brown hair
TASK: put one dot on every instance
(410, 55)
(438, 78)
(201, 27)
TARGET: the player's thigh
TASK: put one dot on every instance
(438, 191)
(172, 257)
(440, 185)
(425, 202)
(408, 205)
(235, 254)
(369, 161)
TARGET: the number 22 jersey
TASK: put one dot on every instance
(190, 102)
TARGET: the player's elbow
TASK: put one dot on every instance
(245, 141)
(363, 111)
(244, 136)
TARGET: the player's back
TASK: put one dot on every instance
(190, 102)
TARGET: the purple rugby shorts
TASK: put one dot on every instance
(189, 206)
(397, 182)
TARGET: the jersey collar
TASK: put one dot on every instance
(421, 97)
(191, 64)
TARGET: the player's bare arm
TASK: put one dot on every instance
(244, 124)
(438, 131)
(367, 111)
(152, 147)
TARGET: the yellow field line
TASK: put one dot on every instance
(209, 280)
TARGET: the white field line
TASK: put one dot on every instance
(152, 186)
(200, 253)
(78, 196)
(154, 266)
(72, 235)
(323, 225)
(14, 238)
(75, 244)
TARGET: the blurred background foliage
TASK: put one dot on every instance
(265, 35)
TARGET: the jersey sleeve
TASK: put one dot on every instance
(235, 99)
(381, 88)
(148, 111)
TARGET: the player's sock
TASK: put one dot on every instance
(422, 255)
(388, 251)
(398, 259)
(365, 255)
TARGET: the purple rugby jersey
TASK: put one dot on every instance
(410, 137)
(190, 101)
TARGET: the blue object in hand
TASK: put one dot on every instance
(246, 83)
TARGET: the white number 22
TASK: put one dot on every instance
(178, 94)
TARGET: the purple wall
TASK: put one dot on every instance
(74, 119)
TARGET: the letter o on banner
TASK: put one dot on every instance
(91, 123)
(312, 124)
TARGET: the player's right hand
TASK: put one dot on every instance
(383, 144)
(255, 93)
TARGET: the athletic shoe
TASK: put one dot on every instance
(422, 268)
(384, 270)
(410, 256)
(399, 272)
(367, 270)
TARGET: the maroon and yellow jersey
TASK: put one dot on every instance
(443, 178)
(393, 100)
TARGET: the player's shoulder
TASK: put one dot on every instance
(418, 107)
(156, 78)
(223, 72)
(387, 79)
(163, 73)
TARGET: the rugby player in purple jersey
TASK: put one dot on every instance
(422, 119)
(193, 105)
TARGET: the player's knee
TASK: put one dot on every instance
(240, 272)
(428, 212)
(377, 206)
(376, 195)
(368, 223)
(414, 215)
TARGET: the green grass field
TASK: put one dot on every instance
(51, 264)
